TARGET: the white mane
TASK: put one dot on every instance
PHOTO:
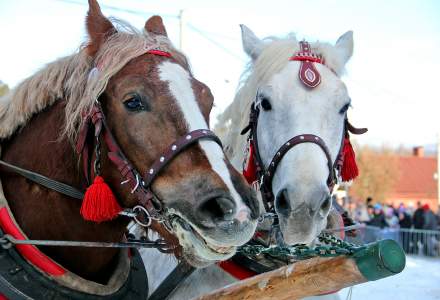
(273, 58)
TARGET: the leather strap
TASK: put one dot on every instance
(282, 151)
(182, 271)
(45, 181)
(175, 148)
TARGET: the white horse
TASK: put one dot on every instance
(287, 109)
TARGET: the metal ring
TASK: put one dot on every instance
(145, 211)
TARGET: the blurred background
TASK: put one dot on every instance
(392, 79)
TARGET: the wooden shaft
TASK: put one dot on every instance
(318, 276)
(305, 278)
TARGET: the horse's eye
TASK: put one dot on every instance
(344, 109)
(134, 103)
(265, 104)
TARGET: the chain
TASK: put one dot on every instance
(329, 246)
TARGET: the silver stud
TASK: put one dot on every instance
(272, 163)
(278, 153)
(151, 171)
(317, 138)
(188, 137)
(301, 137)
(205, 132)
(173, 147)
(162, 159)
(287, 144)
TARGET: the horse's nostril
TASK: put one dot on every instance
(282, 204)
(218, 209)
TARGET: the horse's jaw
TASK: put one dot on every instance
(201, 248)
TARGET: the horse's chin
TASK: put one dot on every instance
(307, 236)
(197, 251)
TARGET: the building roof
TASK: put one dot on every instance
(416, 178)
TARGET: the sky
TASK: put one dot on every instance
(393, 77)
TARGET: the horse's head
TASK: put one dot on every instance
(150, 102)
(288, 108)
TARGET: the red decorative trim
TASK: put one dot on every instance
(307, 58)
(159, 52)
(236, 270)
(30, 252)
(250, 168)
(3, 297)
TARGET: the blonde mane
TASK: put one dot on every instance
(273, 58)
(75, 80)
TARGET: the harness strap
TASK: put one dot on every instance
(45, 181)
(172, 281)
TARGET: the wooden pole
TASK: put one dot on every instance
(318, 276)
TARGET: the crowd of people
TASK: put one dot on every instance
(386, 215)
(420, 226)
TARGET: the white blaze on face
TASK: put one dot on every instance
(179, 84)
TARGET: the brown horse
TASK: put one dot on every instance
(149, 102)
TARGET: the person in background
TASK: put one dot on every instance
(378, 219)
(430, 223)
(391, 218)
(418, 217)
(404, 219)
(369, 202)
(405, 224)
(429, 218)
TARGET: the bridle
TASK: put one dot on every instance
(140, 185)
(310, 77)
(264, 175)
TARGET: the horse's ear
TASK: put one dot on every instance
(345, 45)
(155, 25)
(252, 45)
(99, 28)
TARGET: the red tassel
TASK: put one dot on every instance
(349, 170)
(250, 169)
(99, 203)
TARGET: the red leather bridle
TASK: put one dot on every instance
(310, 77)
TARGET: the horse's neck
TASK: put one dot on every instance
(48, 215)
